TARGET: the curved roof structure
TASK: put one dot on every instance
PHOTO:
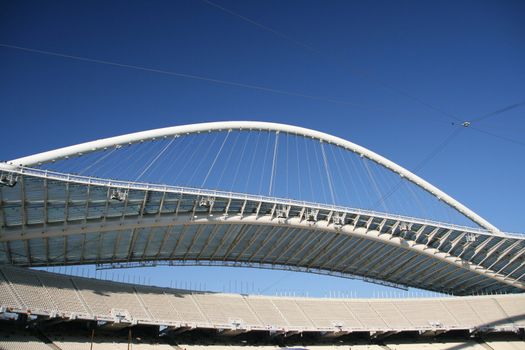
(51, 218)
(83, 148)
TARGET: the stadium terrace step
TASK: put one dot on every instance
(59, 297)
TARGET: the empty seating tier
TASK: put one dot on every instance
(30, 291)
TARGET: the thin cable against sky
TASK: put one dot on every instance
(262, 26)
(432, 154)
(191, 76)
(505, 138)
(497, 112)
(473, 124)
(359, 72)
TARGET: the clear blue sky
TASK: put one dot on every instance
(384, 62)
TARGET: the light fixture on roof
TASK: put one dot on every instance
(206, 201)
(470, 237)
(9, 179)
(118, 195)
(338, 324)
(338, 219)
(311, 215)
(403, 227)
(236, 323)
(282, 212)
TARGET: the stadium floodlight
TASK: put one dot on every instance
(311, 215)
(236, 322)
(338, 219)
(470, 237)
(403, 227)
(282, 212)
(118, 195)
(435, 324)
(9, 179)
(206, 201)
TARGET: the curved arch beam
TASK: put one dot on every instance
(87, 147)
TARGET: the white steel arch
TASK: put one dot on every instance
(87, 147)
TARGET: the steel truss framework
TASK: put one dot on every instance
(61, 219)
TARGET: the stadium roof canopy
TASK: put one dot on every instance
(52, 218)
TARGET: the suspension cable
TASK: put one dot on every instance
(274, 165)
(320, 173)
(203, 158)
(254, 154)
(298, 169)
(215, 159)
(98, 161)
(338, 169)
(374, 183)
(327, 173)
(226, 165)
(239, 162)
(264, 163)
(155, 159)
(308, 168)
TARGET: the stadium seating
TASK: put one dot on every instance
(506, 345)
(28, 287)
(430, 345)
(65, 296)
(502, 344)
(267, 312)
(467, 345)
(37, 292)
(103, 343)
(19, 340)
(272, 347)
(7, 297)
(12, 338)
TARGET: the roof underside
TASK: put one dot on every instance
(62, 222)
